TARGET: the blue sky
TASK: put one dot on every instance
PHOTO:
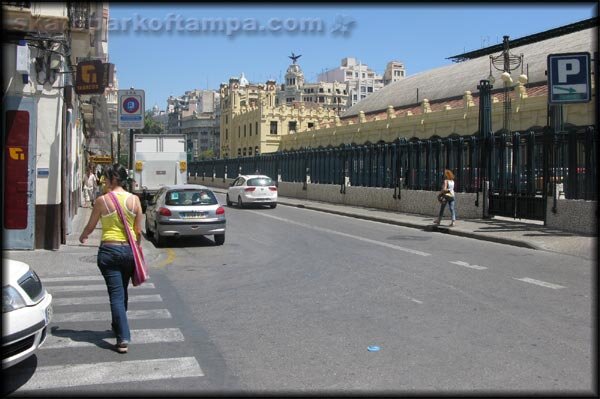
(148, 56)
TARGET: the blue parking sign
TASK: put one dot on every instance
(569, 78)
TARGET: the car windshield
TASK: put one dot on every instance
(191, 197)
(260, 181)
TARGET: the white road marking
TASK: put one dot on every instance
(93, 300)
(106, 316)
(383, 244)
(465, 264)
(91, 287)
(71, 278)
(415, 300)
(541, 283)
(73, 375)
(92, 338)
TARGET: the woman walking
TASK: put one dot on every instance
(446, 195)
(115, 256)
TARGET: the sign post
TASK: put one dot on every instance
(131, 114)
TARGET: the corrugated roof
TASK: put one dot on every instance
(453, 80)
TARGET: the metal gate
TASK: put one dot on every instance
(517, 178)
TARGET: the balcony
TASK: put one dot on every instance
(80, 16)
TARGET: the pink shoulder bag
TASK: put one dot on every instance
(140, 272)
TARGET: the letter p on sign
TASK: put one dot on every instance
(567, 67)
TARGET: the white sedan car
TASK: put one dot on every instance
(26, 312)
(252, 189)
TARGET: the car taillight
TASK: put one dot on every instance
(249, 189)
(164, 212)
(220, 210)
(273, 188)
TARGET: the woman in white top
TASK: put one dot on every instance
(447, 196)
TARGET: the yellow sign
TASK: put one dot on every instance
(101, 159)
(138, 166)
(182, 166)
(16, 153)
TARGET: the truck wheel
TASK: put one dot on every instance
(149, 233)
(219, 239)
(240, 204)
(273, 206)
(158, 239)
(229, 203)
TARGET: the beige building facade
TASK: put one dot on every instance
(252, 123)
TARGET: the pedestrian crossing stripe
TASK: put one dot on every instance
(93, 338)
(75, 375)
(106, 316)
(97, 300)
(91, 287)
(71, 278)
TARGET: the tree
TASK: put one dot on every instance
(151, 126)
(207, 154)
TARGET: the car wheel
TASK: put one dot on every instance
(273, 206)
(240, 203)
(158, 239)
(149, 233)
(229, 203)
(219, 239)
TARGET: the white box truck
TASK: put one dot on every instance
(158, 160)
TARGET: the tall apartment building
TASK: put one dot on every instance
(361, 80)
(394, 72)
(328, 95)
(50, 131)
(197, 115)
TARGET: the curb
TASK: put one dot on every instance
(432, 228)
(443, 230)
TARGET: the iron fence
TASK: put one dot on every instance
(531, 163)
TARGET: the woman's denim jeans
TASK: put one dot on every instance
(116, 264)
(452, 206)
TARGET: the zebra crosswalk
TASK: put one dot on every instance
(71, 292)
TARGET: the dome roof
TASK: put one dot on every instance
(453, 80)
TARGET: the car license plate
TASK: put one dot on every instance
(48, 313)
(193, 215)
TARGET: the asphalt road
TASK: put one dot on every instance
(294, 298)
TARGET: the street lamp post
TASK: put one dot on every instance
(506, 62)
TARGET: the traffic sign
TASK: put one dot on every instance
(569, 78)
(131, 109)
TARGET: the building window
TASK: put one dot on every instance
(249, 150)
(289, 100)
(273, 127)
(320, 90)
(292, 127)
(256, 128)
(244, 130)
(370, 89)
(354, 97)
(226, 134)
(363, 89)
(239, 152)
(321, 99)
(244, 153)
(311, 125)
(239, 135)
(250, 128)
(226, 119)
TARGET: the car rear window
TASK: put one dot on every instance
(260, 181)
(191, 197)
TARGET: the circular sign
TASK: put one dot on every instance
(131, 105)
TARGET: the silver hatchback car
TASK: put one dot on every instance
(183, 211)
